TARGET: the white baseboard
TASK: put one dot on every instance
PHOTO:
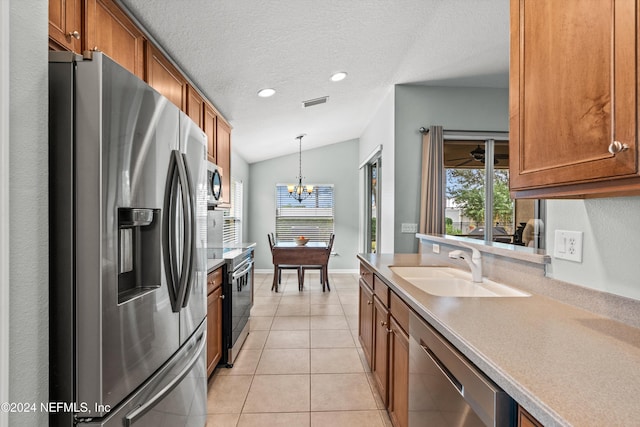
(331, 271)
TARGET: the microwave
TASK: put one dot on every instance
(214, 184)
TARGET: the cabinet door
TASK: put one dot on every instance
(223, 156)
(572, 93)
(365, 321)
(164, 77)
(398, 375)
(525, 419)
(210, 126)
(195, 106)
(110, 31)
(65, 25)
(381, 347)
(214, 329)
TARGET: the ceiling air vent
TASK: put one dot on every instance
(312, 102)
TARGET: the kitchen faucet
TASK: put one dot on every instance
(475, 263)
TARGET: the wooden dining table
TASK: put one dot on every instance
(289, 253)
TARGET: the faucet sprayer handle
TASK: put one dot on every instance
(456, 254)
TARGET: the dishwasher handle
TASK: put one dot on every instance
(446, 372)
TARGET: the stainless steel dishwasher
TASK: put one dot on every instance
(446, 389)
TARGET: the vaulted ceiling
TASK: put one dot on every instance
(233, 48)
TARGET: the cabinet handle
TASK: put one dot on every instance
(617, 147)
(221, 296)
(74, 34)
(369, 302)
(389, 330)
(383, 323)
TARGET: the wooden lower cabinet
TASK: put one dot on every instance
(525, 419)
(380, 357)
(398, 405)
(386, 346)
(214, 326)
(365, 321)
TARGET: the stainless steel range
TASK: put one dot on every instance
(238, 299)
(237, 288)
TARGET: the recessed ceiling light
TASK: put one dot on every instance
(265, 93)
(338, 76)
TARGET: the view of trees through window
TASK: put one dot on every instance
(511, 221)
(466, 195)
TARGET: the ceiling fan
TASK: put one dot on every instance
(477, 154)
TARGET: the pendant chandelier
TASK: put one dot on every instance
(299, 191)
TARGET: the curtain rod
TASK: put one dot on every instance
(471, 134)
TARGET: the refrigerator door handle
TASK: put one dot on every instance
(177, 178)
(192, 221)
(188, 218)
(136, 414)
(168, 235)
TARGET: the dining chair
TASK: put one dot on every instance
(279, 267)
(324, 267)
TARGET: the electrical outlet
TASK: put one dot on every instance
(436, 248)
(409, 228)
(568, 245)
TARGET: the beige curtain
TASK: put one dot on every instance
(433, 177)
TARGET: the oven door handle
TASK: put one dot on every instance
(236, 275)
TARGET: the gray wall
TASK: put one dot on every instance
(332, 164)
(28, 192)
(240, 172)
(611, 243)
(454, 109)
(379, 131)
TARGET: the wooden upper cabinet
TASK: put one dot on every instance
(210, 127)
(573, 92)
(223, 157)
(65, 25)
(163, 77)
(110, 31)
(195, 106)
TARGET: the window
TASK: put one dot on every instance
(372, 173)
(478, 203)
(312, 218)
(232, 230)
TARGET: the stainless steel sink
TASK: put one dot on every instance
(451, 282)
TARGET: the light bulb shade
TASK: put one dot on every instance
(290, 188)
(309, 189)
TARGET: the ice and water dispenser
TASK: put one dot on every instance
(139, 252)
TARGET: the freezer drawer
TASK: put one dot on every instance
(176, 396)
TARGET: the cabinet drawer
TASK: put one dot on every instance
(381, 290)
(214, 280)
(366, 275)
(400, 311)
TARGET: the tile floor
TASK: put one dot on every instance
(301, 364)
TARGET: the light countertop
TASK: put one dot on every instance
(565, 365)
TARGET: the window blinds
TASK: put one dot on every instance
(312, 218)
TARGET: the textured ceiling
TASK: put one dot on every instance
(232, 48)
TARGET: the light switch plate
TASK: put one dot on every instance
(409, 228)
(568, 245)
(436, 248)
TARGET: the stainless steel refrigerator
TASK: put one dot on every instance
(128, 239)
